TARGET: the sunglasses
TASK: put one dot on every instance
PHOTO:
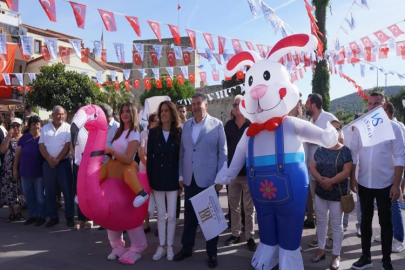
(235, 105)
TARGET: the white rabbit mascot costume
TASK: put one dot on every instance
(273, 151)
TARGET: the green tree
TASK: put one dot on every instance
(56, 86)
(397, 101)
(115, 98)
(320, 79)
(176, 92)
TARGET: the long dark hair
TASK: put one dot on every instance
(134, 125)
(175, 128)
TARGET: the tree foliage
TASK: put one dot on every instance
(56, 86)
(176, 92)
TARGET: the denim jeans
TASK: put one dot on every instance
(33, 188)
(397, 221)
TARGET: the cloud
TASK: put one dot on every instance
(192, 13)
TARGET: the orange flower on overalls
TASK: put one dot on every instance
(268, 190)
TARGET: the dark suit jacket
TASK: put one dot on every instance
(162, 164)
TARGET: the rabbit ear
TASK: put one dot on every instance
(245, 58)
(298, 42)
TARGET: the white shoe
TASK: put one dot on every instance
(112, 257)
(76, 200)
(377, 238)
(397, 246)
(170, 253)
(140, 199)
(160, 252)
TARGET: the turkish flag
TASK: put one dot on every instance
(203, 76)
(296, 75)
(104, 55)
(158, 83)
(26, 57)
(191, 77)
(221, 44)
(45, 53)
(137, 83)
(186, 58)
(49, 8)
(169, 81)
(383, 51)
(155, 28)
(261, 50)
(171, 58)
(116, 85)
(108, 20)
(127, 85)
(381, 36)
(215, 75)
(209, 40)
(85, 55)
(367, 42)
(240, 75)
(401, 49)
(19, 88)
(64, 53)
(12, 5)
(191, 36)
(137, 58)
(237, 47)
(395, 30)
(354, 47)
(369, 56)
(79, 11)
(342, 53)
(176, 33)
(153, 56)
(28, 89)
(147, 83)
(250, 45)
(7, 66)
(135, 24)
(180, 79)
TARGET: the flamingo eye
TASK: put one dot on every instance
(250, 81)
(266, 75)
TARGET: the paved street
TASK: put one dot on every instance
(62, 248)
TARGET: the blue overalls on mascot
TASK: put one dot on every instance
(273, 151)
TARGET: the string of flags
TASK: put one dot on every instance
(349, 21)
(314, 27)
(224, 93)
(360, 92)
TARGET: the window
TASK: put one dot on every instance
(38, 45)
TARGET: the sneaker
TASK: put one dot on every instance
(160, 252)
(397, 246)
(170, 253)
(313, 242)
(358, 233)
(387, 266)
(362, 263)
(141, 198)
(329, 244)
(31, 220)
(377, 238)
(116, 253)
(251, 244)
(232, 240)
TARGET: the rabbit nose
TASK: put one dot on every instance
(258, 91)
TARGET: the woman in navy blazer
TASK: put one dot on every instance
(163, 173)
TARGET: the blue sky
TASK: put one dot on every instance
(233, 19)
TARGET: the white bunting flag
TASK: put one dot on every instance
(362, 3)
(401, 76)
(225, 93)
(32, 76)
(268, 12)
(156, 73)
(99, 76)
(52, 44)
(6, 77)
(392, 43)
(143, 73)
(98, 47)
(344, 30)
(284, 31)
(158, 50)
(113, 75)
(218, 96)
(120, 52)
(375, 48)
(214, 67)
(170, 71)
(363, 70)
(209, 55)
(140, 48)
(226, 56)
(189, 49)
(177, 52)
(337, 44)
(27, 43)
(371, 68)
(242, 88)
(210, 97)
(127, 72)
(351, 22)
(253, 7)
(20, 78)
(184, 70)
(76, 44)
(3, 44)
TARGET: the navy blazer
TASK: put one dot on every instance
(162, 164)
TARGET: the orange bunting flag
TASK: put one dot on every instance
(180, 79)
(12, 5)
(147, 83)
(116, 85)
(45, 53)
(64, 53)
(191, 77)
(153, 56)
(191, 36)
(158, 83)
(240, 75)
(127, 85)
(85, 55)
(137, 83)
(176, 33)
(186, 58)
(137, 58)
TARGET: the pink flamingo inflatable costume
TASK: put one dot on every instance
(108, 201)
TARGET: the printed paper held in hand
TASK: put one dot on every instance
(209, 213)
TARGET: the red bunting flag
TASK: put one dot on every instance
(108, 20)
(186, 58)
(26, 57)
(215, 75)
(191, 36)
(209, 40)
(49, 8)
(180, 79)
(221, 44)
(133, 21)
(178, 6)
(12, 5)
(354, 47)
(395, 30)
(64, 53)
(381, 36)
(147, 83)
(45, 53)
(137, 83)
(250, 45)
(104, 55)
(261, 50)
(401, 49)
(191, 77)
(127, 85)
(155, 28)
(153, 56)
(108, 83)
(85, 55)
(79, 11)
(383, 51)
(171, 58)
(369, 56)
(203, 76)
(158, 83)
(116, 85)
(228, 78)
(217, 57)
(28, 89)
(137, 58)
(240, 75)
(99, 85)
(301, 74)
(237, 47)
(367, 42)
(19, 88)
(176, 33)
(169, 81)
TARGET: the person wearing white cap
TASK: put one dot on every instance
(11, 191)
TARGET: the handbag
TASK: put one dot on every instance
(346, 201)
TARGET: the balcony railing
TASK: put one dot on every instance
(10, 17)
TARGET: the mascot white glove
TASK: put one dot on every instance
(329, 136)
(223, 177)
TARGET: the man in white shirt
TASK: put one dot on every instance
(380, 172)
(54, 146)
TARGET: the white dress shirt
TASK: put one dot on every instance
(55, 139)
(376, 163)
(196, 128)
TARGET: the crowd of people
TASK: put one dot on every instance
(182, 157)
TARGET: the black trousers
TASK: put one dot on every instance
(382, 196)
(191, 223)
(80, 215)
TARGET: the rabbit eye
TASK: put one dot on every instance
(266, 75)
(250, 81)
